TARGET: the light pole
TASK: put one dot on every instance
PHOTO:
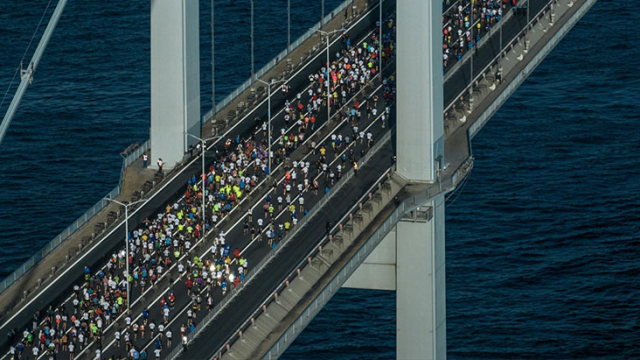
(322, 17)
(328, 80)
(203, 150)
(213, 64)
(501, 39)
(471, 51)
(252, 69)
(271, 82)
(288, 26)
(126, 240)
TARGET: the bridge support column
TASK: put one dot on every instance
(420, 279)
(420, 245)
(175, 78)
(420, 136)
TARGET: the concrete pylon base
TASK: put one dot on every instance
(421, 293)
(411, 261)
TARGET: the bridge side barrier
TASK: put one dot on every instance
(521, 75)
(300, 323)
(329, 251)
(403, 209)
(302, 320)
(460, 101)
(127, 160)
(283, 55)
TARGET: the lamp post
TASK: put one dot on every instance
(126, 240)
(271, 82)
(288, 26)
(252, 69)
(213, 64)
(327, 80)
(203, 150)
(471, 7)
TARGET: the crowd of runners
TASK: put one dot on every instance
(166, 240)
(466, 23)
(159, 243)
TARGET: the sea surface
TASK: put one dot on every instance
(543, 239)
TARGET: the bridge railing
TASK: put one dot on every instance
(405, 208)
(459, 100)
(271, 64)
(127, 159)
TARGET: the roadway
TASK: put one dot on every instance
(254, 250)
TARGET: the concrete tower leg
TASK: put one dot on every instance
(420, 278)
(175, 78)
(420, 89)
(420, 282)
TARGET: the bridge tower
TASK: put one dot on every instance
(175, 78)
(411, 259)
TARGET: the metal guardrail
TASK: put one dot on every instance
(271, 64)
(404, 208)
(522, 75)
(127, 160)
(496, 60)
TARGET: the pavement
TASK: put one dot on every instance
(254, 250)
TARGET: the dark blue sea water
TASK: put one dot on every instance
(543, 241)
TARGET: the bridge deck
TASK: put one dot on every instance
(256, 253)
